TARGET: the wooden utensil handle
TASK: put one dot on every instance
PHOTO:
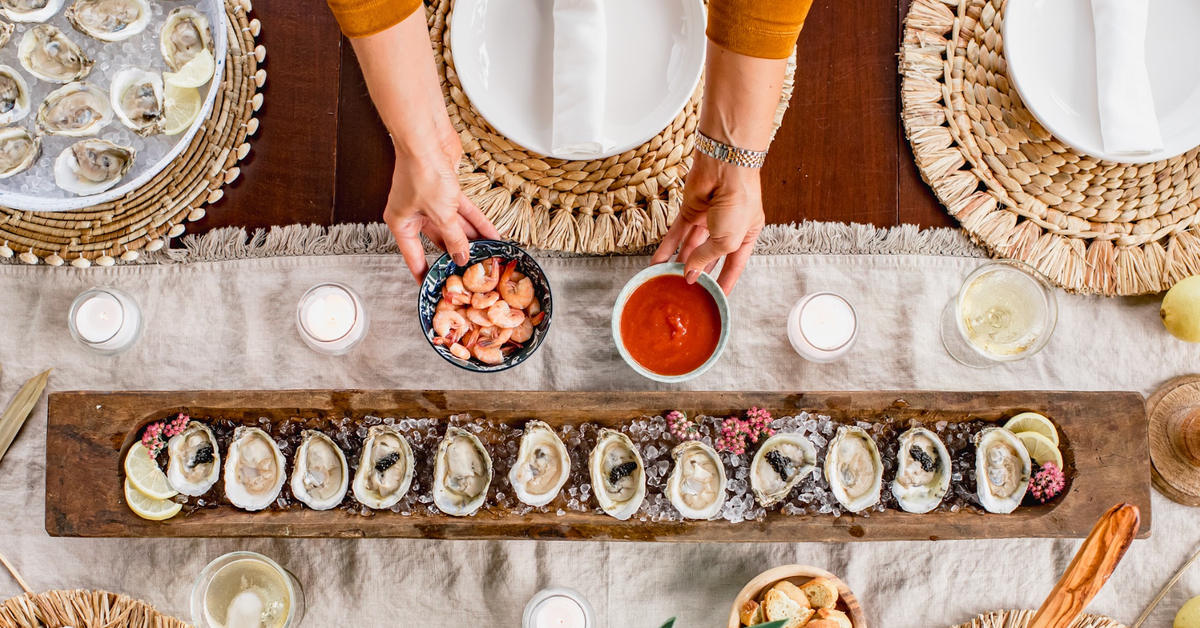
(1090, 569)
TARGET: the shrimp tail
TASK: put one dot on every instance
(536, 319)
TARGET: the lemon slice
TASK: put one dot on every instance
(1040, 449)
(182, 106)
(194, 73)
(143, 473)
(148, 507)
(1033, 422)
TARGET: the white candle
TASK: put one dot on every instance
(558, 608)
(105, 320)
(822, 327)
(99, 318)
(331, 318)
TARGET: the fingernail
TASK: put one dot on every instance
(460, 259)
(692, 276)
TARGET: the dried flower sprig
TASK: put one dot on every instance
(737, 433)
(682, 427)
(1047, 482)
(156, 435)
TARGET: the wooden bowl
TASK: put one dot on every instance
(798, 575)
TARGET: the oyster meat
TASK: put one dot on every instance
(183, 36)
(853, 469)
(385, 468)
(30, 10)
(137, 99)
(780, 463)
(74, 110)
(697, 485)
(542, 467)
(193, 461)
(47, 53)
(109, 20)
(320, 475)
(92, 166)
(18, 150)
(1002, 470)
(14, 95)
(254, 469)
(618, 474)
(923, 471)
(462, 473)
(6, 31)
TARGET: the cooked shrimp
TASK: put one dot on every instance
(517, 292)
(536, 319)
(455, 292)
(460, 352)
(501, 315)
(488, 348)
(445, 304)
(523, 332)
(484, 300)
(450, 325)
(482, 277)
(478, 317)
(534, 308)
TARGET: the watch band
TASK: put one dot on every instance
(730, 154)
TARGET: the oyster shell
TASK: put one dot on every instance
(853, 469)
(1002, 470)
(254, 469)
(92, 166)
(183, 36)
(30, 10)
(923, 471)
(137, 100)
(109, 20)
(193, 460)
(385, 468)
(462, 473)
(18, 150)
(697, 485)
(14, 95)
(542, 467)
(780, 464)
(74, 110)
(50, 55)
(6, 31)
(320, 475)
(618, 474)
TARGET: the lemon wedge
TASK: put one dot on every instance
(1033, 422)
(194, 73)
(143, 473)
(1040, 449)
(148, 507)
(182, 106)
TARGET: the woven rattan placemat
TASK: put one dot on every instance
(82, 609)
(152, 214)
(1089, 225)
(1020, 619)
(619, 204)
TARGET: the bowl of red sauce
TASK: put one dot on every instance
(667, 329)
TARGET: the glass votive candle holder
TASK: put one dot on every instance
(246, 589)
(558, 607)
(105, 321)
(331, 318)
(822, 327)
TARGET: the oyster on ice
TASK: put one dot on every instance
(254, 469)
(854, 469)
(6, 31)
(385, 468)
(30, 10)
(923, 471)
(697, 485)
(109, 20)
(193, 461)
(1002, 470)
(92, 166)
(74, 110)
(18, 150)
(14, 95)
(137, 99)
(50, 55)
(618, 474)
(780, 463)
(320, 475)
(462, 473)
(183, 36)
(542, 467)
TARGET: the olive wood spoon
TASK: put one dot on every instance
(1095, 561)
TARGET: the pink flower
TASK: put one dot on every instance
(1047, 482)
(682, 426)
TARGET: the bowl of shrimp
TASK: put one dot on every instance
(490, 314)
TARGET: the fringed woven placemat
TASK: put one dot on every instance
(1020, 619)
(620, 204)
(1090, 225)
(149, 216)
(82, 609)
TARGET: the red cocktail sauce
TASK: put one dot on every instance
(670, 327)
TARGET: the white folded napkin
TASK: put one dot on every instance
(1128, 123)
(580, 63)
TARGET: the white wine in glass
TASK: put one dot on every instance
(1005, 311)
(246, 590)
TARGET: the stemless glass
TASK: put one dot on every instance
(1004, 311)
(225, 578)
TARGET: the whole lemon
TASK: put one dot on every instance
(1181, 310)
(1189, 615)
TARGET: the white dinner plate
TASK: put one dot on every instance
(1050, 46)
(503, 53)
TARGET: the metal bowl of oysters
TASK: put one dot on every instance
(83, 105)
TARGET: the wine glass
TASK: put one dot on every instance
(1005, 311)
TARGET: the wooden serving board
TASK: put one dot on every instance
(1104, 437)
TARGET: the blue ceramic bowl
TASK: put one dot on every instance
(431, 293)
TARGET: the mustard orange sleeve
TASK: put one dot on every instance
(360, 18)
(766, 29)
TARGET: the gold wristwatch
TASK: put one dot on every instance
(730, 154)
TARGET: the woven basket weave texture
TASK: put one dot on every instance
(1021, 619)
(82, 609)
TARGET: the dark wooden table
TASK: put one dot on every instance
(322, 155)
